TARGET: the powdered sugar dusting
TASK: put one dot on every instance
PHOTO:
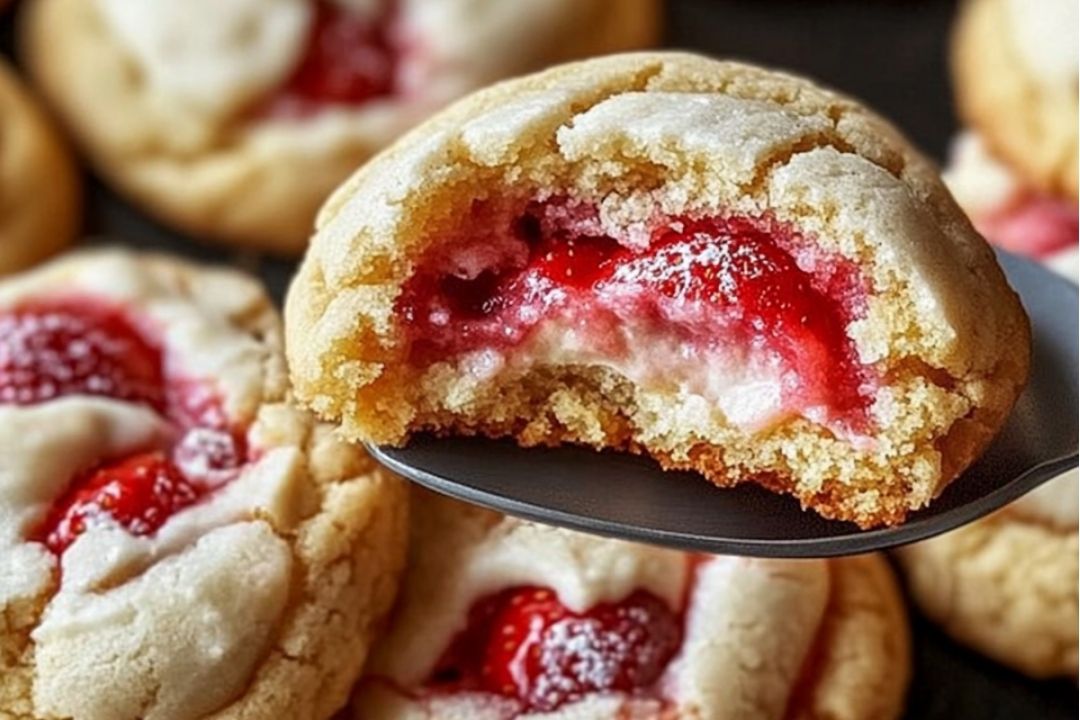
(73, 346)
(749, 288)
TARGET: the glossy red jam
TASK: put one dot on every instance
(138, 493)
(76, 346)
(1037, 226)
(67, 346)
(350, 58)
(524, 644)
(745, 283)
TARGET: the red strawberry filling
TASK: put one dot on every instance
(139, 494)
(350, 58)
(70, 346)
(746, 310)
(1037, 226)
(523, 644)
(81, 346)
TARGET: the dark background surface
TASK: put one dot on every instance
(892, 55)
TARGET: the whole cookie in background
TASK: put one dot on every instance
(1007, 585)
(1015, 66)
(1008, 212)
(178, 540)
(233, 120)
(501, 618)
(722, 266)
(39, 184)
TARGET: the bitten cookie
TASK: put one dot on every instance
(235, 120)
(1015, 67)
(1007, 585)
(177, 540)
(39, 186)
(722, 266)
(500, 618)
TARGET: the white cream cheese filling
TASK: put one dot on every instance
(746, 386)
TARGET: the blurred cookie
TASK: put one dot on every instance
(177, 540)
(503, 618)
(1009, 213)
(719, 265)
(39, 185)
(1007, 585)
(234, 120)
(1015, 67)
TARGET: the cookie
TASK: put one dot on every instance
(721, 266)
(1015, 70)
(39, 186)
(1007, 585)
(1008, 212)
(178, 540)
(502, 618)
(233, 121)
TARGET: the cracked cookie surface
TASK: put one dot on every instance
(755, 638)
(862, 351)
(1007, 585)
(179, 540)
(237, 129)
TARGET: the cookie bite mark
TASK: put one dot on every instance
(351, 58)
(743, 310)
(726, 268)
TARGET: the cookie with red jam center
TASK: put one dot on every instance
(234, 121)
(537, 622)
(725, 268)
(156, 478)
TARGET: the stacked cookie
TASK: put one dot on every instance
(1015, 169)
(536, 622)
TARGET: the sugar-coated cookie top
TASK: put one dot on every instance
(219, 68)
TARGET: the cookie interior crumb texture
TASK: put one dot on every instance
(886, 352)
